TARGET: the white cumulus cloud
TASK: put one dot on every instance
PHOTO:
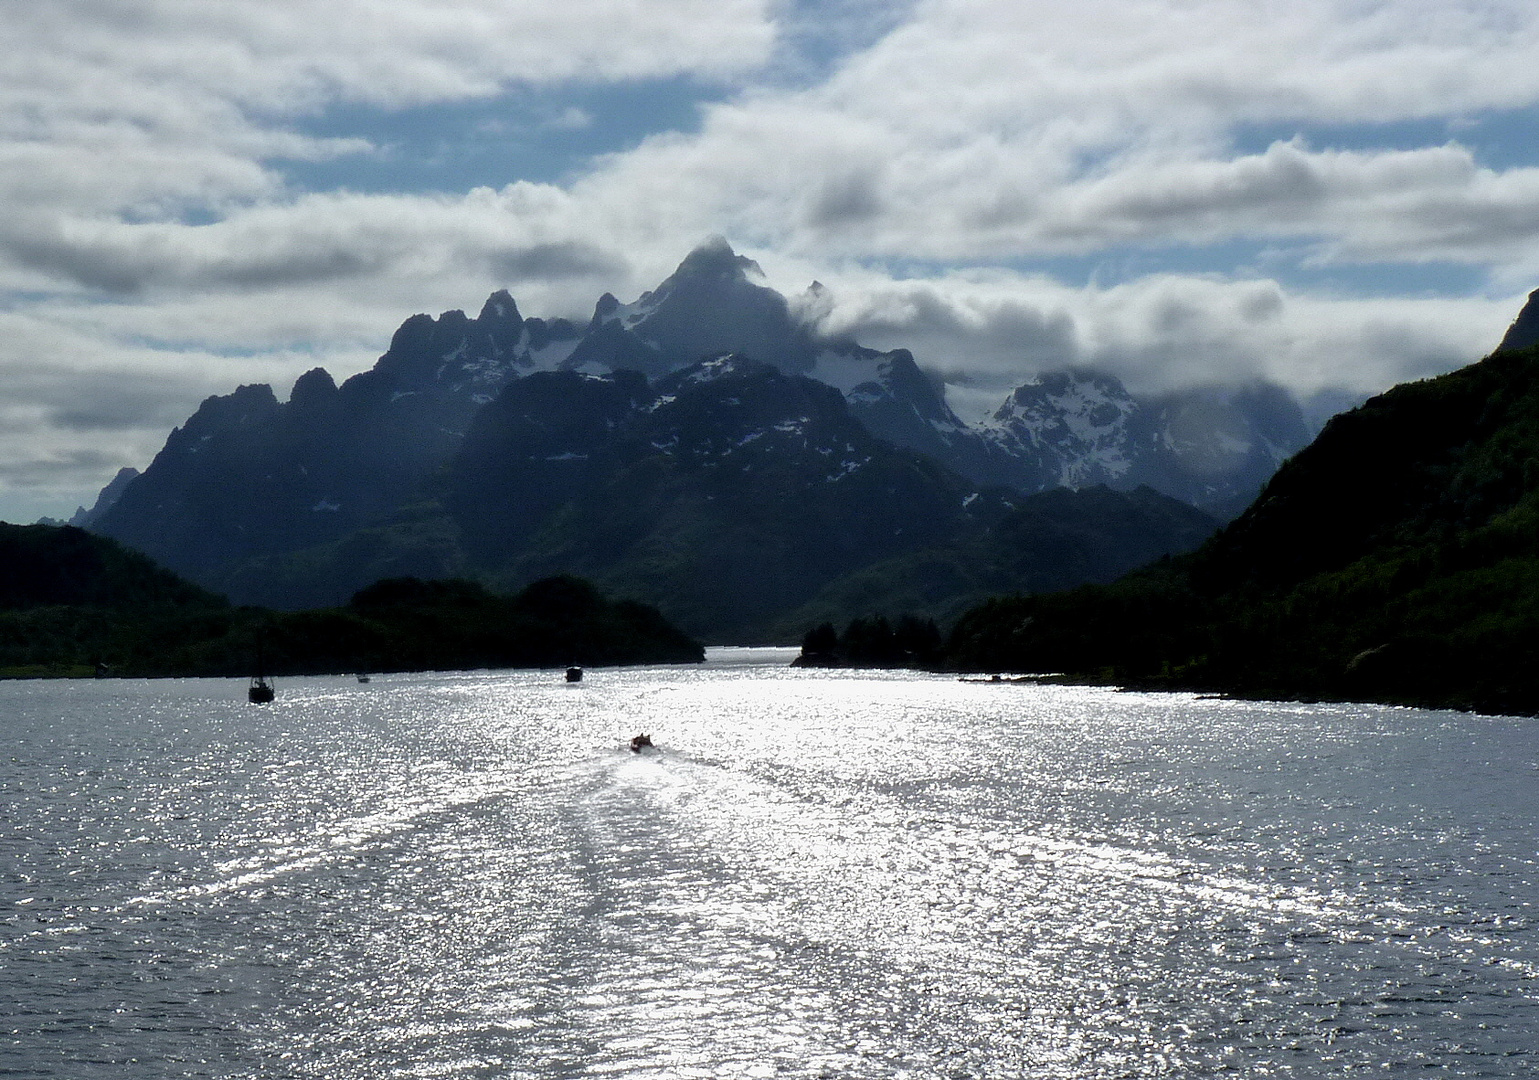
(957, 171)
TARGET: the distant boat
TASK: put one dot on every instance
(640, 742)
(261, 691)
(574, 674)
(362, 677)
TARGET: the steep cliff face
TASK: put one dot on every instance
(1524, 331)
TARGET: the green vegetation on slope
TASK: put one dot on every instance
(873, 642)
(1052, 540)
(70, 602)
(43, 565)
(1396, 559)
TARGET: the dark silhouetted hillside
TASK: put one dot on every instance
(1395, 559)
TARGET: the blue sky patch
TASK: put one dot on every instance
(540, 135)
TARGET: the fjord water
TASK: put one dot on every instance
(816, 874)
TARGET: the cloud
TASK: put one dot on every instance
(327, 238)
(81, 396)
(570, 118)
(977, 130)
(153, 107)
(989, 332)
(118, 258)
(65, 431)
(565, 259)
(281, 55)
(1419, 205)
(44, 471)
(815, 35)
(984, 130)
(930, 161)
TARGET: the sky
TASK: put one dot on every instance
(1336, 195)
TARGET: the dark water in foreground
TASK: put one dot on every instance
(817, 874)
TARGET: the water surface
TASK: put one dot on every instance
(816, 874)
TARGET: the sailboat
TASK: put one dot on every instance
(261, 691)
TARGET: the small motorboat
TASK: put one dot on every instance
(640, 742)
(574, 674)
(363, 676)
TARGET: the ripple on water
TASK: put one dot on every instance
(816, 874)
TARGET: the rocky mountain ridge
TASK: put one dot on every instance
(296, 503)
(1211, 447)
(728, 493)
(731, 495)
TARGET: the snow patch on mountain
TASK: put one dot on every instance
(636, 314)
(847, 468)
(550, 356)
(709, 371)
(844, 371)
(1076, 423)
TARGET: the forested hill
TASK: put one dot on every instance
(76, 604)
(1395, 559)
(46, 565)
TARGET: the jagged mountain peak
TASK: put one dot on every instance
(248, 402)
(110, 494)
(710, 305)
(1524, 331)
(813, 307)
(1072, 380)
(1074, 423)
(711, 273)
(499, 305)
(607, 307)
(1211, 446)
(894, 379)
(729, 349)
(714, 259)
(314, 387)
(455, 353)
(1084, 402)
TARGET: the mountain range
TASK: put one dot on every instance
(704, 448)
(1395, 559)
